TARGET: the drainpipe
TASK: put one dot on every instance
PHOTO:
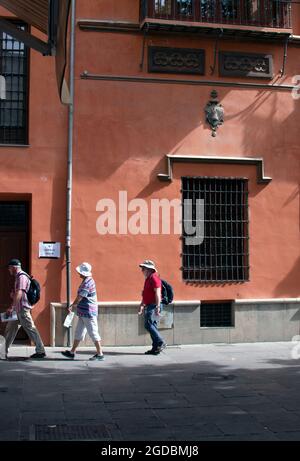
(70, 160)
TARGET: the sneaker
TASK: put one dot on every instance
(162, 347)
(152, 352)
(38, 355)
(68, 354)
(97, 357)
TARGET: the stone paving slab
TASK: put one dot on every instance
(194, 393)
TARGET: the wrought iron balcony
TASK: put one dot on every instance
(250, 13)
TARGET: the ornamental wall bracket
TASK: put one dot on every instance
(214, 112)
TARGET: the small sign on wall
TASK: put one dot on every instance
(49, 250)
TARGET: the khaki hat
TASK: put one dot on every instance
(148, 264)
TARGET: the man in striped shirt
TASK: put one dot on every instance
(23, 309)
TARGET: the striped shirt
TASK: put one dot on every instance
(88, 306)
(22, 282)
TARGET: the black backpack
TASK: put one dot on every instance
(167, 292)
(34, 291)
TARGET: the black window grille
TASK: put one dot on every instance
(259, 13)
(163, 7)
(14, 108)
(13, 215)
(216, 314)
(222, 253)
(184, 7)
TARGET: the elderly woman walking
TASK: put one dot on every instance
(87, 312)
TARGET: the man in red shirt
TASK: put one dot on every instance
(151, 305)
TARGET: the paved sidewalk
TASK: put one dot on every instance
(187, 393)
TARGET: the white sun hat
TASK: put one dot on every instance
(84, 269)
(148, 264)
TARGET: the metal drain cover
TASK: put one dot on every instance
(69, 432)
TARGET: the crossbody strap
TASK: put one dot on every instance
(24, 273)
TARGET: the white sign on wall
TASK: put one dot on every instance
(49, 250)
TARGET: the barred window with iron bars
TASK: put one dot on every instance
(262, 13)
(14, 108)
(222, 255)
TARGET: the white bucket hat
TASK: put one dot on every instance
(84, 269)
(148, 264)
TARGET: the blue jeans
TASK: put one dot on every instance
(151, 326)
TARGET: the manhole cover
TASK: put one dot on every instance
(210, 377)
(72, 432)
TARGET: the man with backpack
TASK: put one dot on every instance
(151, 305)
(23, 308)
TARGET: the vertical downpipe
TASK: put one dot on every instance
(70, 160)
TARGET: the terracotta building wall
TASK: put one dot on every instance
(125, 129)
(39, 171)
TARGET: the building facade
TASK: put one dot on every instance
(186, 152)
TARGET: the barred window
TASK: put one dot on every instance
(163, 7)
(227, 9)
(184, 7)
(221, 255)
(13, 215)
(14, 108)
(216, 314)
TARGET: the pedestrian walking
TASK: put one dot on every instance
(87, 312)
(151, 305)
(22, 307)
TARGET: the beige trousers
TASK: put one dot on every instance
(25, 320)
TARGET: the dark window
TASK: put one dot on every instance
(228, 9)
(166, 7)
(13, 109)
(163, 7)
(216, 315)
(184, 7)
(213, 11)
(13, 215)
(218, 209)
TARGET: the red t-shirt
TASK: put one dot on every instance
(151, 282)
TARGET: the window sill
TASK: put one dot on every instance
(14, 145)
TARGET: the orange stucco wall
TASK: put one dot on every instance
(39, 172)
(123, 131)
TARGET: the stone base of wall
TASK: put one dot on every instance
(120, 325)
